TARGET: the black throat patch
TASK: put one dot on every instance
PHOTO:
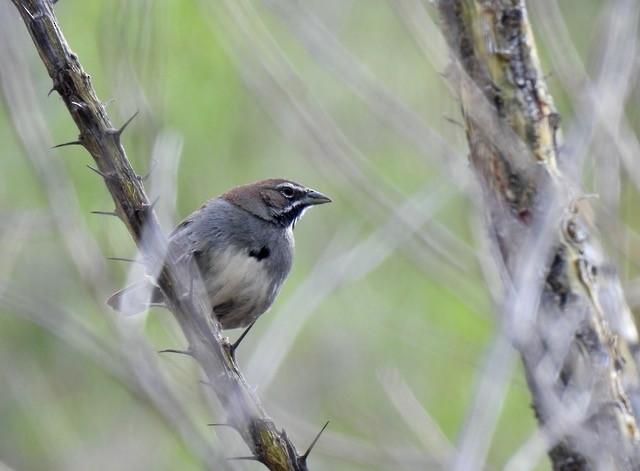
(290, 215)
(261, 253)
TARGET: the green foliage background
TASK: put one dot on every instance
(411, 317)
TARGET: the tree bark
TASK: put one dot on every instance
(563, 312)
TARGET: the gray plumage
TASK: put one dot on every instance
(242, 242)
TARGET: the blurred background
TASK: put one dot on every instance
(386, 326)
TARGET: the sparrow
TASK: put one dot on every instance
(243, 246)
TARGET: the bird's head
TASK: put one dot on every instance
(277, 200)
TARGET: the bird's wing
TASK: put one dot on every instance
(189, 219)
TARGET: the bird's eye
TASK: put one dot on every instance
(287, 192)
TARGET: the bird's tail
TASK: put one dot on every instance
(135, 298)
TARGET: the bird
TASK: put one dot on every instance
(243, 245)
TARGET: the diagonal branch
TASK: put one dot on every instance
(578, 362)
(269, 445)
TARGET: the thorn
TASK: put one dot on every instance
(304, 457)
(105, 213)
(453, 121)
(70, 143)
(53, 89)
(154, 163)
(103, 175)
(119, 132)
(130, 260)
(207, 383)
(250, 458)
(236, 344)
(181, 352)
(146, 208)
(153, 203)
(108, 102)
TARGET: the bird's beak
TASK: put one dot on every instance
(315, 197)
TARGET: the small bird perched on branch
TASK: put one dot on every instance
(242, 243)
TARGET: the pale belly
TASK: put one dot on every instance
(242, 289)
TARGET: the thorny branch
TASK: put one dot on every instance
(579, 344)
(210, 349)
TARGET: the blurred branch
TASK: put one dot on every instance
(416, 417)
(339, 267)
(578, 365)
(5, 467)
(366, 453)
(600, 120)
(12, 243)
(269, 445)
(325, 48)
(18, 94)
(271, 76)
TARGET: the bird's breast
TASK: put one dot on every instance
(241, 286)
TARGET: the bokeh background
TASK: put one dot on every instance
(386, 326)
